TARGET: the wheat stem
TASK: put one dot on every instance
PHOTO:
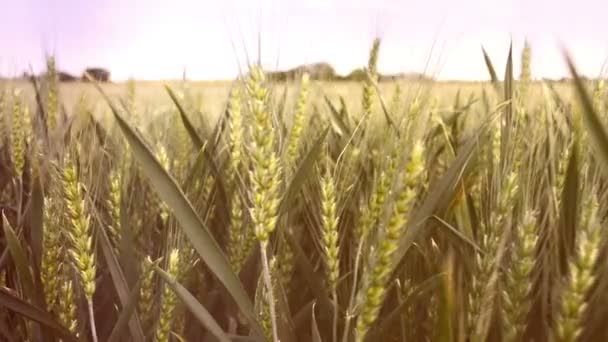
(92, 318)
(269, 289)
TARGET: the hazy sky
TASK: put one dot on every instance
(152, 39)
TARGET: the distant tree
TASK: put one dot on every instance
(412, 76)
(321, 71)
(277, 76)
(325, 72)
(357, 75)
(66, 77)
(98, 74)
(316, 71)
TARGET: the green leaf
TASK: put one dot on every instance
(193, 227)
(593, 123)
(338, 124)
(509, 81)
(36, 214)
(220, 126)
(40, 110)
(387, 115)
(198, 310)
(314, 280)
(36, 235)
(282, 111)
(388, 319)
(200, 145)
(568, 220)
(508, 93)
(197, 168)
(120, 283)
(441, 192)
(100, 131)
(344, 114)
(491, 70)
(33, 313)
(196, 139)
(457, 99)
(302, 173)
(457, 233)
(20, 259)
(444, 327)
(125, 315)
(556, 96)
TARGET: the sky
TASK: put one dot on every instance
(212, 39)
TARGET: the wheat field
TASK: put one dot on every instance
(253, 210)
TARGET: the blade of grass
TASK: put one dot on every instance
(40, 109)
(282, 110)
(491, 70)
(387, 320)
(457, 99)
(457, 233)
(344, 114)
(509, 76)
(338, 124)
(569, 204)
(100, 131)
(33, 313)
(198, 310)
(197, 141)
(556, 96)
(313, 279)
(36, 213)
(444, 328)
(23, 269)
(197, 232)
(285, 323)
(508, 93)
(387, 115)
(125, 315)
(20, 259)
(220, 127)
(441, 193)
(197, 168)
(593, 123)
(302, 173)
(120, 282)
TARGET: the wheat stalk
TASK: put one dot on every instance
(372, 78)
(294, 141)
(574, 300)
(52, 95)
(18, 133)
(481, 298)
(80, 236)
(114, 204)
(526, 69)
(518, 282)
(330, 240)
(265, 177)
(52, 255)
(66, 307)
(373, 291)
(146, 294)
